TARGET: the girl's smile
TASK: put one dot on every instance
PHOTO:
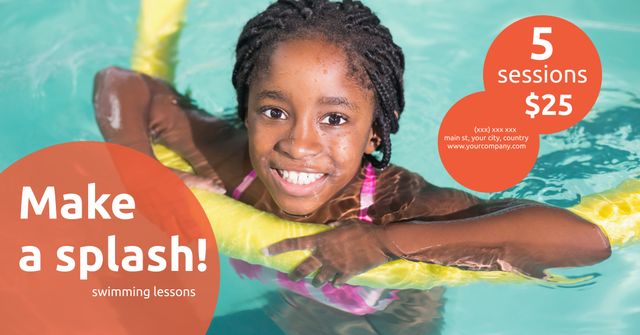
(299, 183)
(309, 122)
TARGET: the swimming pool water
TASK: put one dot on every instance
(51, 50)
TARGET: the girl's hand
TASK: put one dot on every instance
(353, 247)
(170, 125)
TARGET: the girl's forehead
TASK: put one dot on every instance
(301, 55)
(314, 49)
(296, 62)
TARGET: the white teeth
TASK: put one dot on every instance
(299, 178)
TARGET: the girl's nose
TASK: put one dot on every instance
(302, 142)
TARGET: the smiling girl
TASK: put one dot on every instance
(320, 89)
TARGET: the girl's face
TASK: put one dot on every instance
(309, 123)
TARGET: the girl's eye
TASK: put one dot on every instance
(274, 113)
(334, 119)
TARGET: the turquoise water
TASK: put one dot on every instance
(51, 49)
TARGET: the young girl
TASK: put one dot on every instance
(320, 89)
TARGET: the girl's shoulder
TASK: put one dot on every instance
(403, 195)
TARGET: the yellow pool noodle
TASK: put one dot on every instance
(241, 231)
(159, 25)
(616, 211)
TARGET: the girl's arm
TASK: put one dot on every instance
(132, 109)
(507, 235)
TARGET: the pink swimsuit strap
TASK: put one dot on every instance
(367, 192)
(237, 192)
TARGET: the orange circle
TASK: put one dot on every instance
(572, 70)
(491, 157)
(125, 293)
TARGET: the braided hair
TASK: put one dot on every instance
(374, 57)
